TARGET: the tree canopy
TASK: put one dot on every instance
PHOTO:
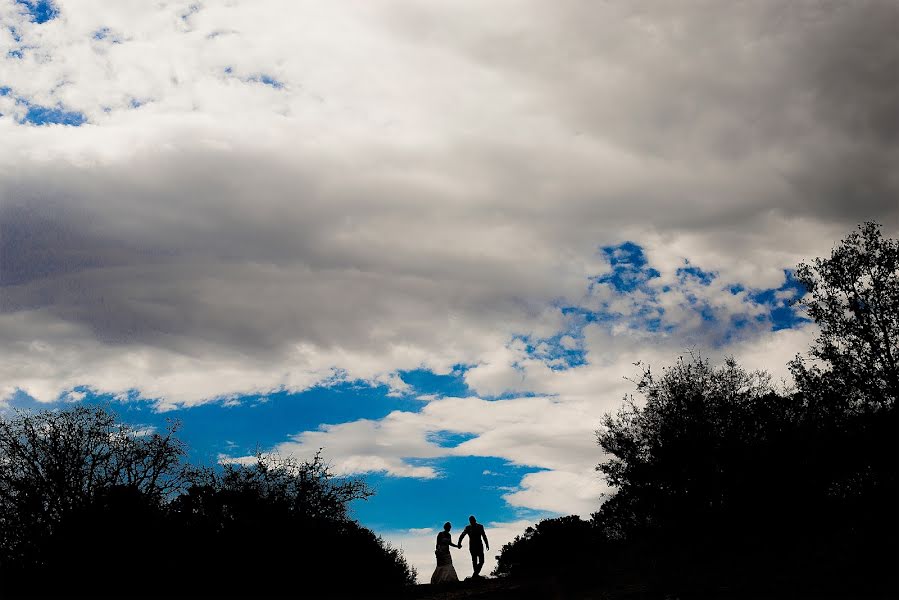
(91, 505)
(853, 296)
(56, 465)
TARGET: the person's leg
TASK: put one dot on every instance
(477, 561)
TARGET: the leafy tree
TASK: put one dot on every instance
(564, 546)
(304, 490)
(694, 465)
(691, 409)
(723, 482)
(91, 506)
(298, 511)
(56, 466)
(853, 296)
(850, 387)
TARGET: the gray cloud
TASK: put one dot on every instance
(428, 185)
(783, 91)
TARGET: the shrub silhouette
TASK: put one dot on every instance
(58, 468)
(89, 505)
(711, 478)
(298, 513)
(564, 547)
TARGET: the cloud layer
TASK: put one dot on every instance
(271, 196)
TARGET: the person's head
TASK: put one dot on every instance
(472, 520)
(447, 526)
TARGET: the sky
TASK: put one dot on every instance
(431, 238)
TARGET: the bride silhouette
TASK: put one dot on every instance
(445, 571)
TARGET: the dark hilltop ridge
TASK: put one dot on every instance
(548, 588)
(725, 485)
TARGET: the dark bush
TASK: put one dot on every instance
(566, 547)
(89, 506)
(61, 471)
(296, 513)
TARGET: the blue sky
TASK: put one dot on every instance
(243, 425)
(430, 238)
(43, 115)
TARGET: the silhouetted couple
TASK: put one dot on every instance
(475, 532)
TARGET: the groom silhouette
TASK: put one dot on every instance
(475, 531)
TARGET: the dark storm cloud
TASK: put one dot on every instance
(236, 251)
(805, 92)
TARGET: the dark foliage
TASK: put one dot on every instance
(91, 506)
(725, 485)
(562, 547)
(721, 483)
(297, 513)
(854, 298)
(56, 468)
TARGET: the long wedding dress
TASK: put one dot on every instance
(445, 571)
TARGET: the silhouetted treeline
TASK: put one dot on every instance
(724, 484)
(90, 506)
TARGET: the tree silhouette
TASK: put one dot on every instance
(849, 386)
(298, 512)
(57, 467)
(695, 466)
(854, 298)
(564, 546)
(91, 506)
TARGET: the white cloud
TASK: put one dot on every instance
(540, 491)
